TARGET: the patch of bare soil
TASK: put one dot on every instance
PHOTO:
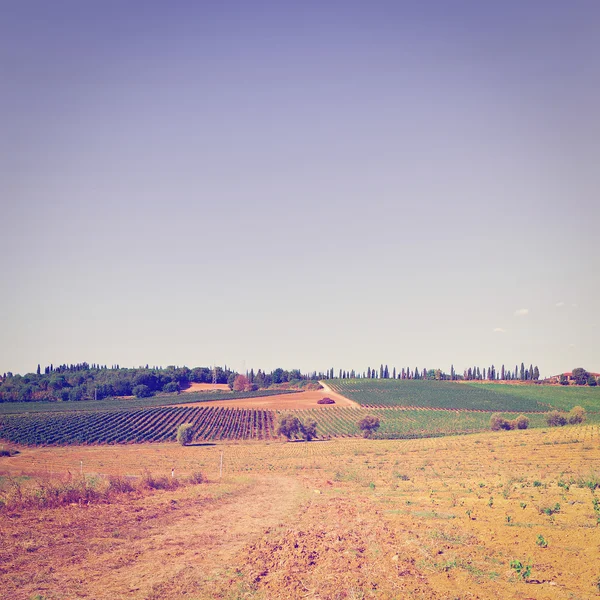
(339, 548)
(294, 401)
(169, 545)
(207, 387)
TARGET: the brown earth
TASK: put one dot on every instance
(429, 518)
(293, 401)
(206, 387)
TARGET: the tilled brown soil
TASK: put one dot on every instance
(498, 515)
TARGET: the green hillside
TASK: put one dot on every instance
(555, 396)
(465, 396)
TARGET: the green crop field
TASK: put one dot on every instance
(554, 396)
(461, 396)
(406, 423)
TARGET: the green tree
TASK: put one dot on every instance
(141, 391)
(576, 415)
(580, 376)
(185, 434)
(308, 429)
(288, 426)
(368, 425)
(556, 418)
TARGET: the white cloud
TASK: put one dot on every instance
(521, 312)
(560, 304)
(499, 330)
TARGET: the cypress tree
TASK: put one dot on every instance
(394, 373)
(522, 372)
(369, 373)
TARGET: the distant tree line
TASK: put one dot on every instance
(470, 374)
(83, 381)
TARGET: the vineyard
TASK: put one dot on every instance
(144, 425)
(458, 396)
(559, 397)
(220, 423)
(406, 409)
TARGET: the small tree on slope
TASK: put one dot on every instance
(185, 434)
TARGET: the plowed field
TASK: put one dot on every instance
(513, 514)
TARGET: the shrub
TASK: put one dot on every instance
(368, 425)
(197, 477)
(291, 426)
(498, 422)
(185, 434)
(159, 483)
(308, 429)
(141, 391)
(119, 484)
(576, 415)
(521, 422)
(171, 387)
(288, 426)
(325, 401)
(556, 418)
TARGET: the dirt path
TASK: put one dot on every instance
(337, 396)
(157, 548)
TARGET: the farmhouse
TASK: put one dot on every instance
(569, 377)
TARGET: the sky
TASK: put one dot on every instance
(305, 185)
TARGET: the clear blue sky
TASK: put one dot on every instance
(302, 185)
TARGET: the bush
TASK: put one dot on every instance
(291, 426)
(288, 426)
(119, 484)
(197, 477)
(141, 391)
(498, 422)
(521, 422)
(325, 401)
(556, 419)
(576, 415)
(159, 483)
(185, 434)
(368, 425)
(171, 387)
(308, 430)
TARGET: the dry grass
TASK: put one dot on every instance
(435, 518)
